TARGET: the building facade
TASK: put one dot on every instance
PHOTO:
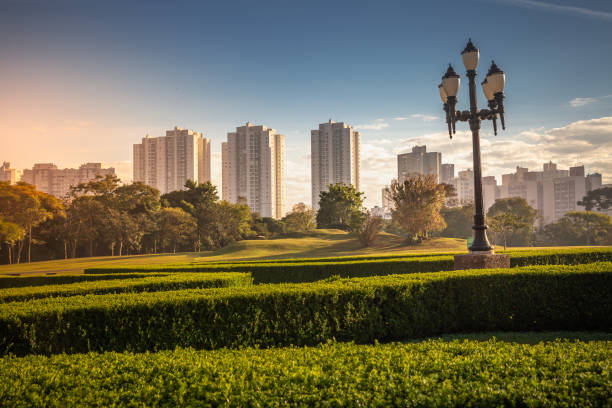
(46, 177)
(464, 184)
(253, 169)
(167, 162)
(8, 174)
(447, 173)
(335, 157)
(419, 161)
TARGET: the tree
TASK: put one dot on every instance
(600, 199)
(417, 204)
(369, 229)
(580, 228)
(229, 223)
(177, 227)
(9, 234)
(23, 205)
(459, 221)
(515, 229)
(301, 219)
(340, 207)
(504, 224)
(198, 200)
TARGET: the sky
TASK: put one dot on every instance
(82, 81)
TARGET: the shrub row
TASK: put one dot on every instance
(362, 310)
(426, 374)
(23, 281)
(140, 284)
(314, 271)
(383, 256)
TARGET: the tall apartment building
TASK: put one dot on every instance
(464, 184)
(490, 192)
(8, 174)
(167, 162)
(51, 180)
(552, 192)
(447, 173)
(253, 169)
(224, 173)
(419, 161)
(335, 157)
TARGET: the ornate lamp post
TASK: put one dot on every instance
(493, 88)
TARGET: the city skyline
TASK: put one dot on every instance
(82, 94)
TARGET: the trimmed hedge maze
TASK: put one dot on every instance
(397, 307)
(307, 333)
(317, 269)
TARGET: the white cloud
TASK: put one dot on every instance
(578, 11)
(425, 118)
(378, 124)
(401, 118)
(578, 102)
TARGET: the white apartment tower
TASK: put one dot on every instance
(419, 161)
(51, 180)
(335, 154)
(167, 162)
(253, 169)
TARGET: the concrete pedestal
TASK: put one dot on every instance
(485, 260)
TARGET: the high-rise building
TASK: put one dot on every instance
(51, 180)
(8, 174)
(593, 182)
(465, 186)
(167, 162)
(490, 192)
(419, 161)
(253, 164)
(224, 173)
(335, 157)
(447, 173)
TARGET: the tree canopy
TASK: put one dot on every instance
(340, 207)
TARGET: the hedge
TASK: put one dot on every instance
(425, 374)
(362, 310)
(23, 281)
(141, 284)
(314, 271)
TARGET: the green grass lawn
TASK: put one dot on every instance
(322, 243)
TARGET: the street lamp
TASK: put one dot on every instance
(493, 88)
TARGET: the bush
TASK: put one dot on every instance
(362, 310)
(429, 373)
(23, 281)
(296, 272)
(141, 284)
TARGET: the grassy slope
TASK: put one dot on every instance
(320, 244)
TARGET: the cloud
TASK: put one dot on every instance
(577, 11)
(426, 118)
(401, 118)
(587, 142)
(578, 102)
(378, 124)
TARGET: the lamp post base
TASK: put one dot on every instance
(481, 260)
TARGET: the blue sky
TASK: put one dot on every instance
(84, 80)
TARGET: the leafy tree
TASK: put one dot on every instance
(369, 229)
(229, 223)
(177, 227)
(600, 199)
(340, 207)
(9, 234)
(27, 207)
(512, 230)
(417, 204)
(301, 219)
(580, 228)
(199, 201)
(459, 221)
